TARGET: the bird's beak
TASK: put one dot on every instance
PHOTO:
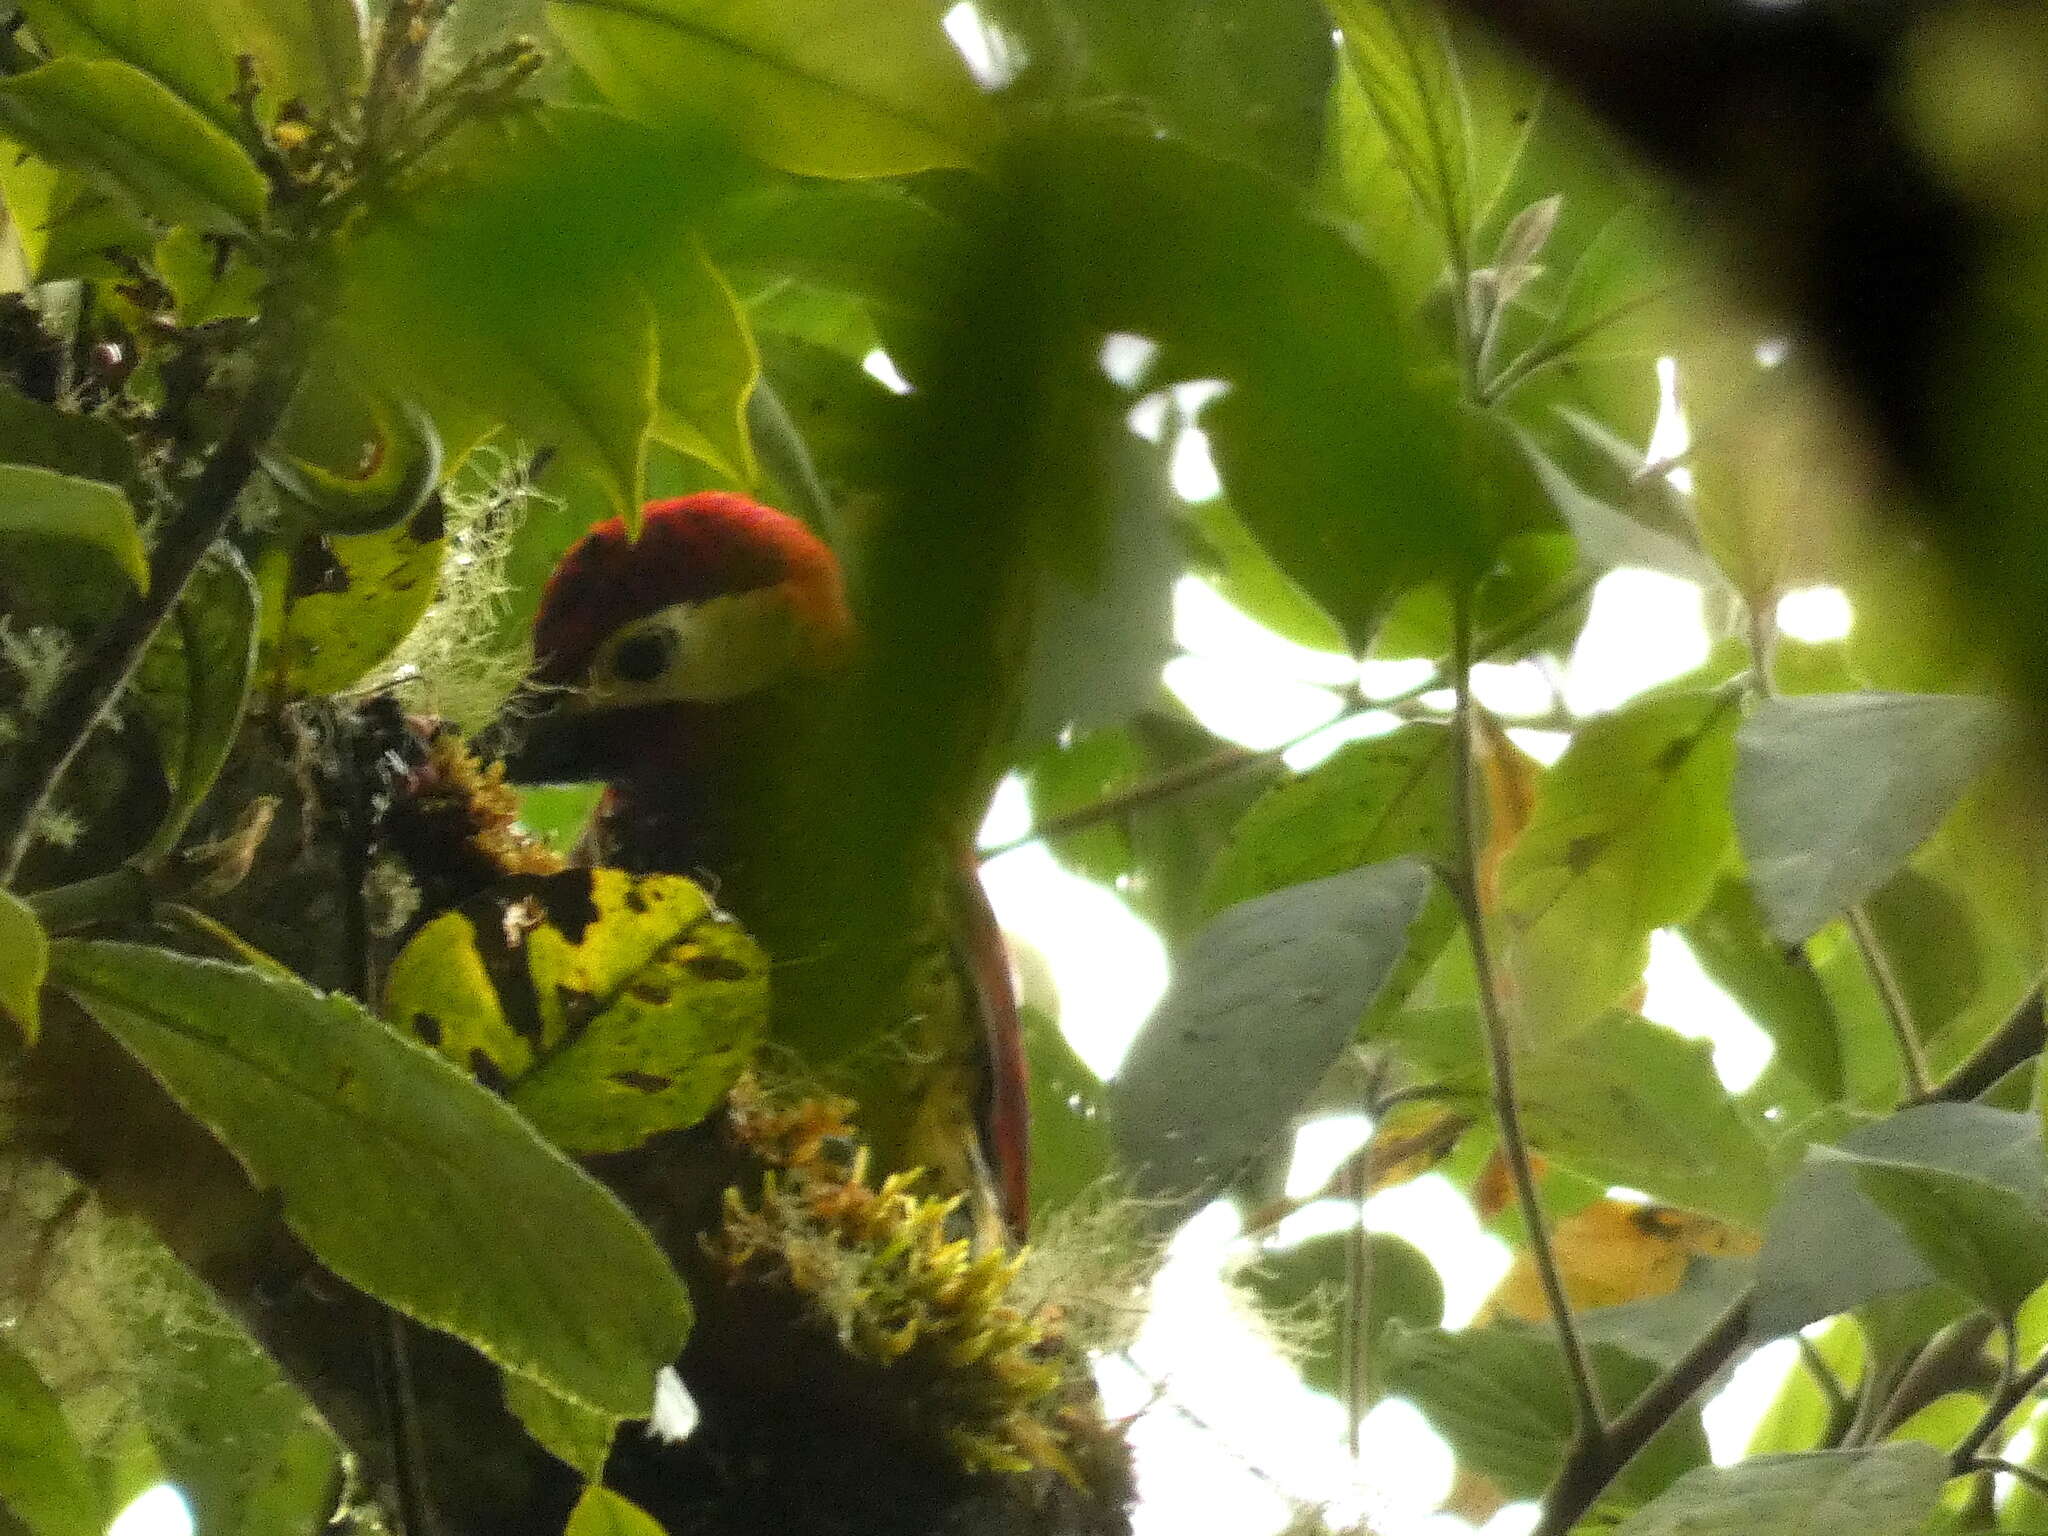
(542, 742)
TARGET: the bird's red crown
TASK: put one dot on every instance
(690, 549)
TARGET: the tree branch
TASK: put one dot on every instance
(1589, 1419)
(1898, 1011)
(95, 681)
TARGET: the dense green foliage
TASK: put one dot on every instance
(325, 334)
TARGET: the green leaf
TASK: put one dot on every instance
(1302, 1287)
(1270, 992)
(1776, 986)
(1629, 831)
(45, 1481)
(635, 1004)
(1972, 1232)
(1630, 1102)
(708, 368)
(1833, 791)
(1246, 81)
(89, 447)
(348, 461)
(1498, 1394)
(24, 961)
(42, 504)
(491, 319)
(1246, 577)
(245, 1449)
(309, 49)
(1610, 536)
(205, 285)
(803, 85)
(129, 135)
(1369, 801)
(1890, 1490)
(1070, 1142)
(1351, 474)
(570, 1432)
(193, 682)
(479, 1228)
(600, 1512)
(334, 608)
(1829, 1248)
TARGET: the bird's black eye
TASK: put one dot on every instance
(644, 657)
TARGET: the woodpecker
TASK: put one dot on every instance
(687, 669)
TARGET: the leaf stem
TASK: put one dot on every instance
(88, 691)
(2019, 1039)
(1589, 1419)
(1841, 1407)
(1897, 1011)
(2027, 1475)
(2013, 1391)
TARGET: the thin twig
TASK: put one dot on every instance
(1229, 760)
(90, 688)
(2018, 1040)
(1841, 1407)
(1589, 1419)
(1898, 1011)
(2027, 1475)
(2010, 1394)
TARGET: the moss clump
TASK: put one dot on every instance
(878, 1266)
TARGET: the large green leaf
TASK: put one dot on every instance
(89, 447)
(810, 85)
(1246, 80)
(193, 682)
(1833, 791)
(1828, 1247)
(1889, 1490)
(1499, 1395)
(1776, 987)
(1971, 1231)
(1103, 612)
(1629, 830)
(245, 1449)
(708, 367)
(612, 1008)
(129, 135)
(571, 1433)
(45, 1480)
(490, 318)
(1630, 1102)
(24, 961)
(1369, 801)
(309, 49)
(41, 504)
(1351, 474)
(406, 1179)
(1245, 575)
(1267, 996)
